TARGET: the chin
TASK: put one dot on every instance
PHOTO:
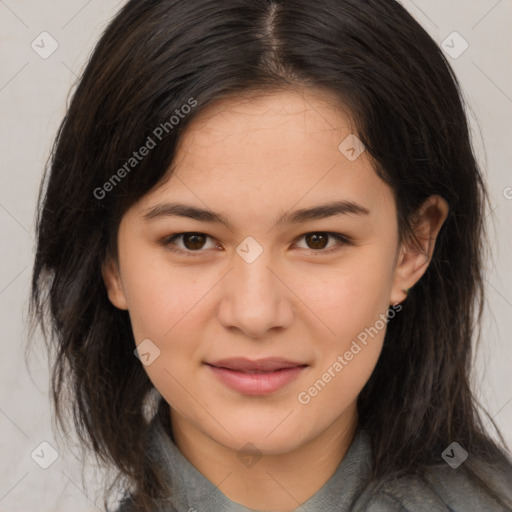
(269, 437)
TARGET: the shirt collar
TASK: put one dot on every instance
(193, 491)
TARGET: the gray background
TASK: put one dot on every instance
(33, 96)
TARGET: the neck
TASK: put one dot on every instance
(279, 482)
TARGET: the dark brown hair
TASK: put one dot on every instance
(156, 56)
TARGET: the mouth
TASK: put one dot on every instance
(256, 377)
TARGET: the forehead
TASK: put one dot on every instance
(270, 151)
(250, 123)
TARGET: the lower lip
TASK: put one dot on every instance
(256, 383)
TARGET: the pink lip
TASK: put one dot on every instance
(260, 377)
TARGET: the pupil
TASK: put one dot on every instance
(315, 238)
(195, 244)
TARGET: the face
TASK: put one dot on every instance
(253, 320)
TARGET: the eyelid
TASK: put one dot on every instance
(342, 239)
(167, 242)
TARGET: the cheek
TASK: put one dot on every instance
(163, 301)
(159, 295)
(333, 389)
(353, 303)
(345, 365)
(350, 297)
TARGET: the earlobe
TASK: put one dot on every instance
(415, 255)
(112, 279)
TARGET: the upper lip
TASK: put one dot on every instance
(243, 364)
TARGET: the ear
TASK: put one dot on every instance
(113, 283)
(415, 255)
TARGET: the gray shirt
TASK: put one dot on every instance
(443, 489)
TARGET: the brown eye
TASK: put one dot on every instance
(317, 240)
(191, 243)
(194, 241)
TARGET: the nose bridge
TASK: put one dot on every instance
(254, 300)
(254, 278)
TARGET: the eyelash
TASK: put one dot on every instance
(167, 242)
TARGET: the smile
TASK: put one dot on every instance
(260, 377)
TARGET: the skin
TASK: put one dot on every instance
(252, 160)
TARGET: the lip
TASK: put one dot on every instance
(256, 377)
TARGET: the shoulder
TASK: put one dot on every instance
(126, 505)
(439, 489)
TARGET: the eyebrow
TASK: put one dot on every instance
(322, 211)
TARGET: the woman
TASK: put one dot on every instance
(259, 259)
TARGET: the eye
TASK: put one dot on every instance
(193, 242)
(317, 241)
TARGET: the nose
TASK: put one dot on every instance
(255, 298)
